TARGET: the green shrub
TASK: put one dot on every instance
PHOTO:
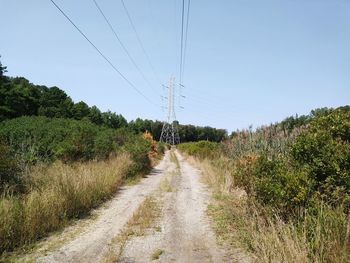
(324, 151)
(138, 148)
(281, 186)
(201, 149)
(297, 180)
(35, 139)
(79, 143)
(9, 170)
(104, 143)
(160, 147)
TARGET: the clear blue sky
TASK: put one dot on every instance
(248, 62)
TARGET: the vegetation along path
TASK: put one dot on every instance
(177, 229)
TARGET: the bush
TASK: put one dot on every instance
(201, 149)
(9, 170)
(297, 181)
(138, 148)
(161, 147)
(281, 186)
(324, 151)
(35, 139)
(104, 144)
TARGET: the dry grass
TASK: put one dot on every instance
(174, 159)
(272, 240)
(165, 186)
(144, 217)
(166, 183)
(156, 254)
(56, 194)
(142, 220)
(268, 241)
(219, 179)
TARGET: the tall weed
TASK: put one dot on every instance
(55, 194)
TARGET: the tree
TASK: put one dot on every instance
(80, 110)
(113, 120)
(95, 115)
(2, 69)
(54, 102)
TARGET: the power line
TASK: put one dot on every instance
(182, 37)
(183, 44)
(139, 41)
(102, 55)
(186, 33)
(122, 45)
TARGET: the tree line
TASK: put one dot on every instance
(19, 97)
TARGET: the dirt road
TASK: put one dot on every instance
(185, 234)
(181, 233)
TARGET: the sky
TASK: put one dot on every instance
(248, 62)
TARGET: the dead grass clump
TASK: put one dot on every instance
(56, 194)
(143, 219)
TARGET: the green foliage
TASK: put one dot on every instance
(138, 148)
(113, 120)
(280, 186)
(104, 143)
(297, 178)
(316, 164)
(80, 110)
(201, 149)
(19, 97)
(44, 139)
(190, 133)
(288, 170)
(2, 69)
(291, 123)
(324, 150)
(9, 170)
(53, 102)
(95, 115)
(161, 147)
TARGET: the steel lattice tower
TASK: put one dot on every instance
(170, 132)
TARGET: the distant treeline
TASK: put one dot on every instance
(287, 125)
(19, 97)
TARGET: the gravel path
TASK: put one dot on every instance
(185, 234)
(182, 232)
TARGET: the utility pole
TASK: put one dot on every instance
(170, 132)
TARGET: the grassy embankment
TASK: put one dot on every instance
(55, 170)
(283, 195)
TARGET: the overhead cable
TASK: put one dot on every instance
(102, 55)
(122, 45)
(139, 41)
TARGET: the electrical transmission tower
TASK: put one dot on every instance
(170, 132)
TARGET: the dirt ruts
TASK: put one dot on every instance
(185, 234)
(181, 233)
